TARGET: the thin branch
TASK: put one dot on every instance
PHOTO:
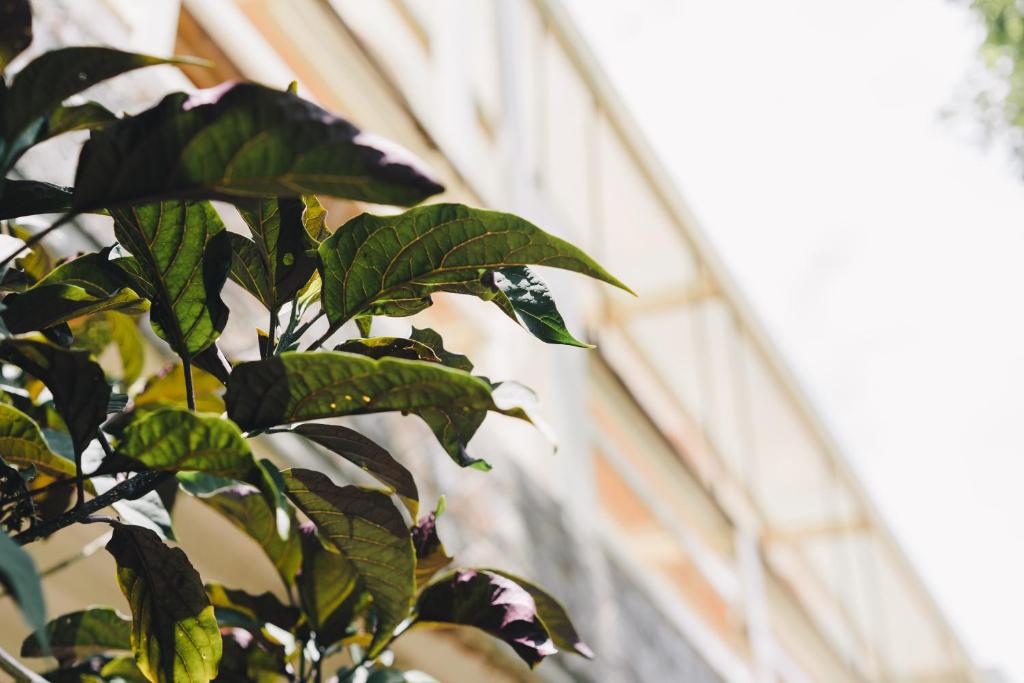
(271, 332)
(133, 488)
(17, 670)
(85, 552)
(190, 394)
(31, 241)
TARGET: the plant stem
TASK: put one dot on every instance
(271, 332)
(63, 220)
(190, 394)
(79, 480)
(133, 488)
(17, 670)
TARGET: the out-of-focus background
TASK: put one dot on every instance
(826, 260)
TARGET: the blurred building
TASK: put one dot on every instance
(698, 520)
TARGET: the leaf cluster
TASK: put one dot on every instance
(83, 427)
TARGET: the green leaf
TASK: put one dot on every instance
(554, 617)
(326, 582)
(122, 670)
(242, 140)
(83, 286)
(372, 258)
(394, 347)
(262, 608)
(85, 116)
(54, 76)
(19, 576)
(295, 387)
(245, 507)
(80, 391)
(80, 634)
(368, 455)
(277, 262)
(174, 633)
(181, 261)
(172, 439)
(111, 327)
(532, 301)
(369, 531)
(433, 340)
(15, 29)
(31, 197)
(21, 443)
(491, 603)
(168, 389)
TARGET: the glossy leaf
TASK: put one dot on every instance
(394, 347)
(369, 531)
(122, 670)
(245, 507)
(31, 197)
(492, 603)
(171, 439)
(433, 340)
(19, 577)
(242, 140)
(554, 617)
(168, 389)
(83, 286)
(15, 29)
(21, 443)
(181, 259)
(295, 387)
(174, 633)
(277, 262)
(372, 257)
(54, 76)
(80, 391)
(532, 301)
(368, 455)
(80, 634)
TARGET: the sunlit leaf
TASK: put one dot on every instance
(327, 581)
(172, 439)
(366, 454)
(372, 257)
(395, 347)
(181, 259)
(21, 443)
(79, 634)
(433, 340)
(168, 389)
(242, 140)
(295, 387)
(492, 603)
(174, 632)
(532, 301)
(98, 332)
(368, 530)
(83, 286)
(554, 617)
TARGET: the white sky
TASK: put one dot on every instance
(882, 246)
